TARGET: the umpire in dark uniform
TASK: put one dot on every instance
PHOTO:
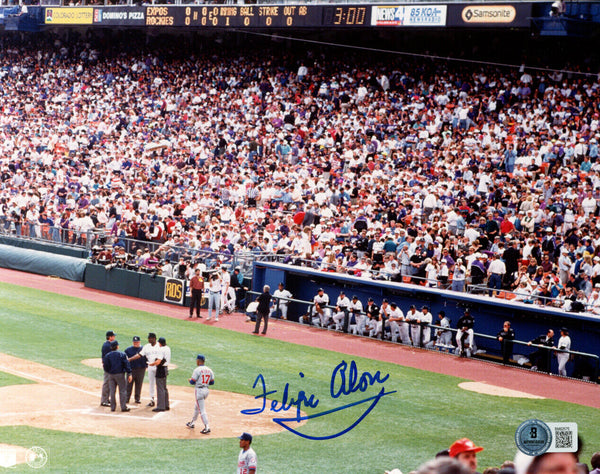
(116, 364)
(104, 399)
(138, 370)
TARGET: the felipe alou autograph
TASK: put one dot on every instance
(345, 380)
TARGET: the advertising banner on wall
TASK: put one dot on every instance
(491, 15)
(174, 291)
(409, 15)
(133, 16)
(69, 16)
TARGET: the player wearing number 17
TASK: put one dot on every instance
(202, 377)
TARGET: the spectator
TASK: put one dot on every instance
(465, 451)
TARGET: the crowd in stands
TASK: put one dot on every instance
(405, 169)
(462, 458)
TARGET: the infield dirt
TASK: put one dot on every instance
(65, 401)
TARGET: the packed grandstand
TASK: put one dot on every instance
(409, 169)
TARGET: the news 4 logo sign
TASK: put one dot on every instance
(387, 16)
(422, 15)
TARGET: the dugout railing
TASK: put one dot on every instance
(592, 360)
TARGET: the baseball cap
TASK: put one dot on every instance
(246, 436)
(114, 344)
(136, 338)
(162, 340)
(151, 335)
(200, 357)
(354, 297)
(463, 445)
(110, 333)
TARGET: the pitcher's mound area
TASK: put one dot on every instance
(68, 402)
(487, 389)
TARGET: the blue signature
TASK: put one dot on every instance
(345, 380)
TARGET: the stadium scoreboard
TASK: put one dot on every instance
(295, 16)
(257, 16)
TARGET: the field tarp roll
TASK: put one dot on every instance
(42, 263)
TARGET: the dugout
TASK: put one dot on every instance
(527, 320)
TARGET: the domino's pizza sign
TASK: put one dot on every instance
(174, 291)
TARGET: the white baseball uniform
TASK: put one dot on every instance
(398, 326)
(428, 319)
(415, 328)
(343, 303)
(563, 357)
(444, 337)
(356, 309)
(152, 352)
(282, 305)
(326, 312)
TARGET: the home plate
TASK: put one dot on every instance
(487, 389)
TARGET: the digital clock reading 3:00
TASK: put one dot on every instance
(345, 16)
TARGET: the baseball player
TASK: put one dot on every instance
(152, 351)
(357, 318)
(444, 337)
(425, 321)
(225, 284)
(340, 318)
(414, 318)
(281, 305)
(320, 309)
(247, 456)
(382, 322)
(202, 377)
(397, 325)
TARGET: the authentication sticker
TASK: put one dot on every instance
(564, 438)
(533, 437)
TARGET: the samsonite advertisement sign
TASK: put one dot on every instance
(494, 15)
(409, 15)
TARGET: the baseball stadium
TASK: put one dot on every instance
(300, 237)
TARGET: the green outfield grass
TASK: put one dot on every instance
(425, 415)
(9, 379)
